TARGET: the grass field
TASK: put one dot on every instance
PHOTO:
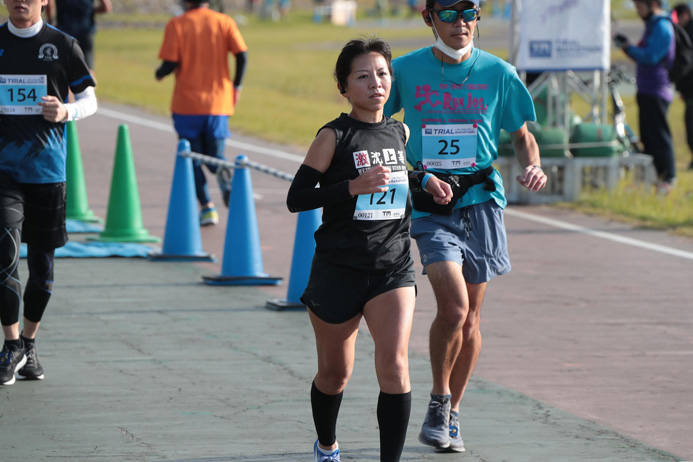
(289, 93)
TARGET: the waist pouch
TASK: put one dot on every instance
(460, 184)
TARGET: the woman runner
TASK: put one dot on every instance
(362, 265)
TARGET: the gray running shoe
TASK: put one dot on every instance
(32, 370)
(456, 443)
(435, 430)
(11, 360)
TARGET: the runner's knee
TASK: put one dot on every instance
(393, 372)
(452, 315)
(40, 263)
(333, 380)
(9, 252)
(471, 332)
(472, 326)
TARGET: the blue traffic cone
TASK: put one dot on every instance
(304, 249)
(242, 264)
(182, 239)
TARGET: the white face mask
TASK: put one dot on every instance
(449, 51)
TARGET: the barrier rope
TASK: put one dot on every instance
(236, 164)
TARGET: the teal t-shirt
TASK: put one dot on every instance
(455, 113)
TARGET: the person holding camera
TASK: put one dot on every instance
(654, 55)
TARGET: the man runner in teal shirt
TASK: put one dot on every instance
(456, 99)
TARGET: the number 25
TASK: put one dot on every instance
(444, 150)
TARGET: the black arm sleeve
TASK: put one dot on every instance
(165, 69)
(303, 195)
(241, 61)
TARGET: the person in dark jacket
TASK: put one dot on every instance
(654, 55)
(78, 19)
(685, 88)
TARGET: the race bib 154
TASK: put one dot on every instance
(20, 94)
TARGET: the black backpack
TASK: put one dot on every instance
(683, 56)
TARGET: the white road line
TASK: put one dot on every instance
(600, 234)
(526, 216)
(169, 128)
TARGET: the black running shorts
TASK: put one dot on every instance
(335, 294)
(38, 210)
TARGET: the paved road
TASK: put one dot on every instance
(144, 363)
(587, 342)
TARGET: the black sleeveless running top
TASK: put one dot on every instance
(373, 235)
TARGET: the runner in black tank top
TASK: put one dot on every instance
(362, 265)
(376, 237)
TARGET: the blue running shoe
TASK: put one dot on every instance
(319, 456)
(456, 443)
(209, 216)
(435, 430)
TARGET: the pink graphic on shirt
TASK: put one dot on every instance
(425, 92)
(361, 159)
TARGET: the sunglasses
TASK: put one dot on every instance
(452, 15)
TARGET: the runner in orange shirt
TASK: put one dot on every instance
(196, 46)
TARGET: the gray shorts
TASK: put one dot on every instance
(473, 237)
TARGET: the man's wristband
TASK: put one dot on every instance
(425, 179)
(538, 166)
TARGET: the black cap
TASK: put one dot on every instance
(447, 3)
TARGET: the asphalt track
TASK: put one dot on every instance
(587, 342)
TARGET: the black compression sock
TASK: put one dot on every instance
(27, 341)
(15, 344)
(325, 412)
(393, 418)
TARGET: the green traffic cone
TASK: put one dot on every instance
(124, 218)
(77, 207)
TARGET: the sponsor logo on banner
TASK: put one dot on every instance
(540, 49)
